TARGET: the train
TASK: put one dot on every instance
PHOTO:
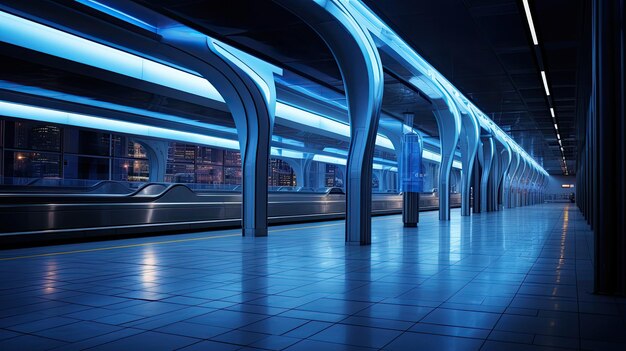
(116, 209)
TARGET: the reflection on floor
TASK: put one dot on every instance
(513, 280)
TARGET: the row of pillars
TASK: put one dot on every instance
(248, 88)
(601, 126)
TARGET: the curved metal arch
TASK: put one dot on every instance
(513, 179)
(494, 174)
(510, 173)
(518, 182)
(449, 124)
(469, 139)
(247, 86)
(521, 182)
(534, 189)
(506, 158)
(361, 69)
(487, 152)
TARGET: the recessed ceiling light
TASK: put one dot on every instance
(552, 112)
(531, 25)
(545, 82)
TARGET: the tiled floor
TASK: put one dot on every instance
(518, 279)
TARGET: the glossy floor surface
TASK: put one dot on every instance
(518, 279)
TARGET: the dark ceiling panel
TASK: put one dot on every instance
(484, 48)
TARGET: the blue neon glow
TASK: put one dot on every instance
(111, 106)
(333, 150)
(276, 151)
(330, 159)
(283, 140)
(21, 32)
(80, 120)
(343, 162)
(317, 121)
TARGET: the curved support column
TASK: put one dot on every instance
(487, 152)
(449, 124)
(492, 201)
(157, 158)
(512, 174)
(521, 183)
(517, 182)
(544, 184)
(505, 164)
(361, 69)
(533, 198)
(247, 86)
(297, 166)
(468, 140)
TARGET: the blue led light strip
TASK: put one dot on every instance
(11, 109)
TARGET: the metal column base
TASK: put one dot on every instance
(410, 209)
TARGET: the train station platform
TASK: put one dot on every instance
(519, 279)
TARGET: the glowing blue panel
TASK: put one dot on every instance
(333, 150)
(435, 157)
(317, 121)
(275, 151)
(79, 120)
(111, 106)
(283, 140)
(21, 32)
(343, 161)
(330, 159)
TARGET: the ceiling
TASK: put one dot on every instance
(485, 49)
(482, 46)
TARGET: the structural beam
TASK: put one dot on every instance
(359, 62)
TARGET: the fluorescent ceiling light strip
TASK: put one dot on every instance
(552, 112)
(531, 24)
(545, 82)
(80, 120)
(556, 126)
